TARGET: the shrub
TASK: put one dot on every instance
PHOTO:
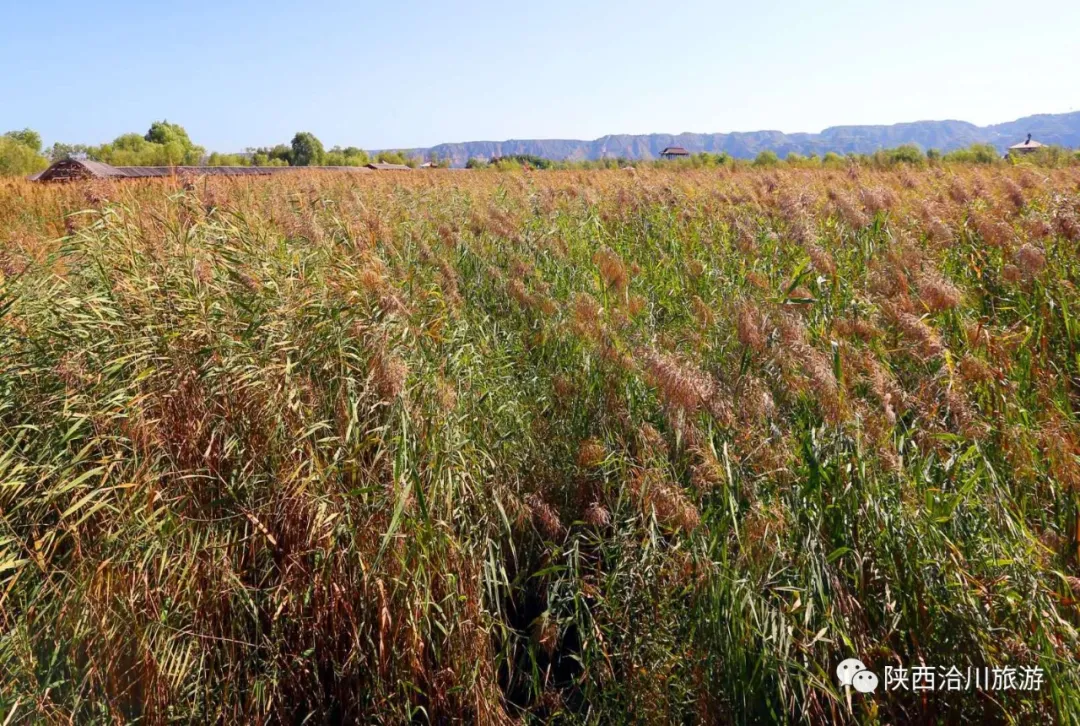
(217, 159)
(832, 159)
(906, 154)
(349, 156)
(974, 154)
(1052, 156)
(517, 161)
(766, 158)
(391, 157)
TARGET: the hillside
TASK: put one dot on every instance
(1061, 129)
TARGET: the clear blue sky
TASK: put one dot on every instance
(407, 73)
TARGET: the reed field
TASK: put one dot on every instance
(554, 447)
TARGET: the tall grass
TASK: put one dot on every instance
(586, 447)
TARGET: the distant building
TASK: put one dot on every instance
(674, 152)
(382, 166)
(79, 169)
(1025, 147)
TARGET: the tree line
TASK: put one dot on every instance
(905, 155)
(168, 144)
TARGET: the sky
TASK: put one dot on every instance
(406, 73)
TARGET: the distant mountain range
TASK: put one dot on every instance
(1063, 129)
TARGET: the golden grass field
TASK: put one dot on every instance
(551, 447)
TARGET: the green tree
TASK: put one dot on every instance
(350, 156)
(59, 151)
(975, 154)
(435, 161)
(306, 150)
(1052, 156)
(506, 163)
(217, 159)
(355, 156)
(833, 159)
(390, 157)
(165, 144)
(162, 132)
(519, 160)
(18, 159)
(280, 155)
(20, 153)
(263, 158)
(177, 145)
(27, 137)
(906, 154)
(766, 158)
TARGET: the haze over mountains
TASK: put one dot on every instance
(1063, 129)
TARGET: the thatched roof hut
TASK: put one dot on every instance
(75, 169)
(673, 152)
(383, 166)
(1025, 147)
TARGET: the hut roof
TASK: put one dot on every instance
(381, 166)
(1029, 144)
(674, 151)
(88, 169)
(68, 169)
(97, 168)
